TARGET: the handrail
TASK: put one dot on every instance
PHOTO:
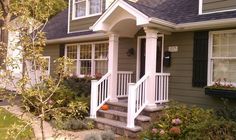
(136, 100)
(125, 72)
(99, 94)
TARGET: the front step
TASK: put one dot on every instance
(117, 127)
(141, 120)
(115, 119)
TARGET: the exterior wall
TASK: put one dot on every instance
(125, 62)
(53, 52)
(218, 5)
(181, 72)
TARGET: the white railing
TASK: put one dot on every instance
(123, 79)
(162, 87)
(136, 100)
(99, 94)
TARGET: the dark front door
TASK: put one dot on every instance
(143, 54)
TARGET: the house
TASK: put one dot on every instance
(150, 51)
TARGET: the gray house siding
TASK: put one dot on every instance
(125, 62)
(218, 5)
(53, 52)
(181, 71)
(82, 24)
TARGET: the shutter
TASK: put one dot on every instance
(62, 50)
(200, 59)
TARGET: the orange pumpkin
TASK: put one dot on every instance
(105, 107)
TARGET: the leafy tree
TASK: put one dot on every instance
(31, 18)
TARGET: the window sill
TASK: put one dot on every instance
(88, 16)
(221, 93)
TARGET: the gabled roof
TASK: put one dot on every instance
(177, 11)
(173, 11)
(58, 25)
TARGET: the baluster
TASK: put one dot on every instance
(164, 87)
(119, 85)
(167, 85)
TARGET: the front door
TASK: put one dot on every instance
(143, 54)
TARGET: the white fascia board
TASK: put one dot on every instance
(78, 38)
(141, 18)
(206, 24)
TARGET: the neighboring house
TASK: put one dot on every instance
(170, 49)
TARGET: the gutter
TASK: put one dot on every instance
(210, 24)
(94, 36)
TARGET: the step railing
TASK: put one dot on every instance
(162, 87)
(136, 100)
(123, 79)
(99, 94)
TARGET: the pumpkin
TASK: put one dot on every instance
(105, 107)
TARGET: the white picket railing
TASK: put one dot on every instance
(99, 94)
(136, 100)
(123, 79)
(162, 87)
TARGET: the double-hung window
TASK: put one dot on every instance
(86, 8)
(222, 56)
(90, 59)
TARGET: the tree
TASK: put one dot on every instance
(35, 86)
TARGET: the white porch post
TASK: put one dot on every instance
(150, 68)
(113, 65)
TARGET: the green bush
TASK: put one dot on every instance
(80, 86)
(228, 111)
(185, 123)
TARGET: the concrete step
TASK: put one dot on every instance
(117, 127)
(141, 120)
(119, 106)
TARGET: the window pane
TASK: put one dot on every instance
(85, 67)
(101, 67)
(101, 51)
(224, 69)
(95, 6)
(86, 51)
(73, 68)
(224, 45)
(72, 51)
(80, 8)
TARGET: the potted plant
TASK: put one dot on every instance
(221, 89)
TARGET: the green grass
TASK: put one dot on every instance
(7, 120)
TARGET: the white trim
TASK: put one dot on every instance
(49, 63)
(200, 7)
(78, 64)
(141, 18)
(79, 38)
(138, 66)
(87, 12)
(210, 50)
(68, 20)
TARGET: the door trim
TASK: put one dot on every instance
(138, 63)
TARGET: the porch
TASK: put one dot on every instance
(145, 85)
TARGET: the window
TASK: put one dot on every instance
(71, 52)
(223, 56)
(92, 58)
(85, 8)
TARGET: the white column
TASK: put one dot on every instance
(113, 65)
(150, 68)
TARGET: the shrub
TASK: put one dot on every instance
(228, 111)
(80, 86)
(183, 122)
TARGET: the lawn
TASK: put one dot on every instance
(7, 120)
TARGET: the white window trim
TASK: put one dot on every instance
(92, 59)
(87, 14)
(210, 50)
(49, 63)
(200, 9)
